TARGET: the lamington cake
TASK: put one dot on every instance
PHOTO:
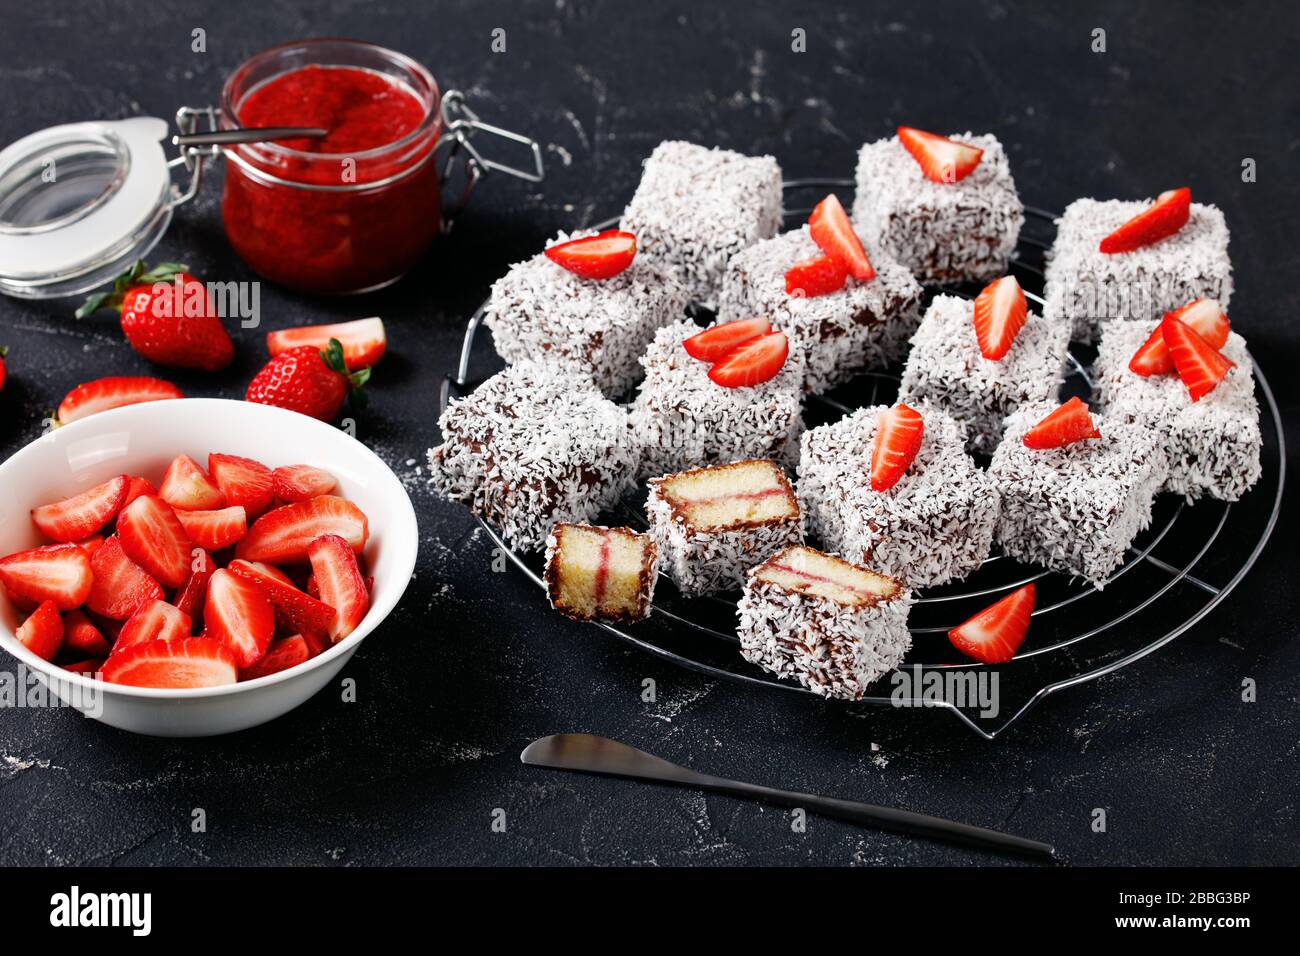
(864, 325)
(946, 368)
(1213, 444)
(934, 525)
(533, 446)
(1086, 286)
(945, 232)
(833, 626)
(1076, 508)
(682, 418)
(713, 524)
(597, 326)
(595, 573)
(697, 207)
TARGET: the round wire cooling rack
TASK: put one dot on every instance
(1183, 566)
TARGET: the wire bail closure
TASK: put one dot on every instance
(193, 158)
(462, 124)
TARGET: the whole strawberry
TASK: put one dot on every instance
(309, 380)
(167, 323)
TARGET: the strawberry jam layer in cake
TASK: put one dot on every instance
(682, 417)
(946, 208)
(714, 524)
(833, 626)
(600, 574)
(862, 325)
(533, 446)
(1212, 443)
(1076, 488)
(697, 207)
(599, 326)
(933, 525)
(1086, 286)
(947, 368)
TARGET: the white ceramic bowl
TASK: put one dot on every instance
(142, 440)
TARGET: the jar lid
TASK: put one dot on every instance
(79, 203)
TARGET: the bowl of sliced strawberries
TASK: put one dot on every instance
(197, 566)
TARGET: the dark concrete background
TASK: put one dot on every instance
(471, 666)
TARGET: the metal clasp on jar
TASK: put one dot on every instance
(462, 124)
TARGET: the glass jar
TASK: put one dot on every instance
(332, 222)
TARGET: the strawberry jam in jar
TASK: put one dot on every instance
(352, 211)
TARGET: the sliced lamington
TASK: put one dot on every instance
(1077, 508)
(535, 445)
(1086, 286)
(597, 326)
(697, 207)
(1213, 445)
(833, 626)
(682, 418)
(936, 524)
(594, 573)
(945, 367)
(943, 232)
(714, 524)
(861, 327)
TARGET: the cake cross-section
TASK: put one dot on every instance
(944, 232)
(946, 368)
(1086, 286)
(832, 625)
(697, 207)
(683, 418)
(1076, 508)
(713, 524)
(935, 524)
(860, 327)
(594, 573)
(533, 446)
(597, 326)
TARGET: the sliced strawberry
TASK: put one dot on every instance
(120, 585)
(114, 392)
(92, 666)
(809, 278)
(341, 586)
(155, 621)
(191, 597)
(42, 632)
(601, 256)
(243, 481)
(192, 662)
(753, 362)
(317, 643)
(300, 482)
(995, 633)
(214, 530)
(81, 637)
(898, 439)
(363, 340)
(283, 653)
(154, 538)
(82, 515)
(91, 545)
(295, 611)
(138, 486)
(1065, 425)
(1000, 312)
(942, 160)
(1200, 366)
(53, 572)
(239, 615)
(1165, 217)
(830, 228)
(716, 341)
(186, 486)
(283, 534)
(1205, 317)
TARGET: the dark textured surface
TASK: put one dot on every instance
(471, 666)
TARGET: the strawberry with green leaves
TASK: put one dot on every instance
(166, 317)
(309, 380)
